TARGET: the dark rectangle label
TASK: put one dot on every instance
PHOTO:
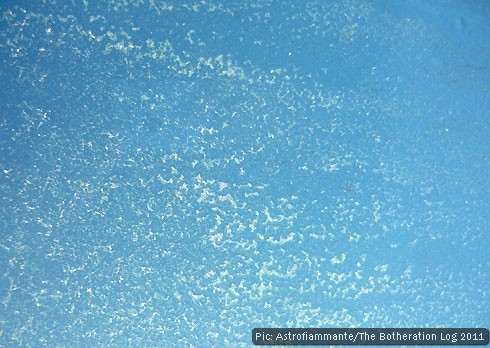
(403, 336)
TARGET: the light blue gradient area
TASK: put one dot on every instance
(174, 174)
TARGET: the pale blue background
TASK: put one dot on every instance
(175, 174)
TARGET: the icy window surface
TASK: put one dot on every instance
(177, 173)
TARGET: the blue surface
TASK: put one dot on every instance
(175, 174)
